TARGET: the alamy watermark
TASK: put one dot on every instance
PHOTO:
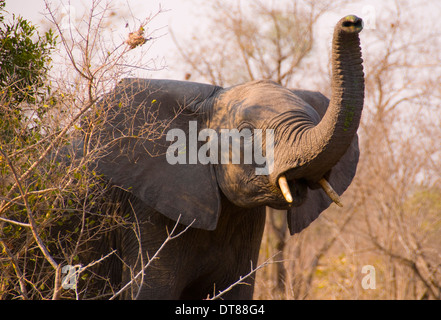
(237, 147)
(68, 16)
(70, 280)
(369, 280)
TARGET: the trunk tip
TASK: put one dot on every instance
(350, 24)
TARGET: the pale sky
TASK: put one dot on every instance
(177, 14)
(182, 16)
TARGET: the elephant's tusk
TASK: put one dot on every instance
(330, 192)
(285, 188)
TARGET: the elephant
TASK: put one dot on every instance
(220, 206)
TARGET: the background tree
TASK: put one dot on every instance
(250, 40)
(24, 63)
(398, 182)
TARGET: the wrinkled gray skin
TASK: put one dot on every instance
(314, 138)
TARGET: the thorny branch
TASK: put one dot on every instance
(241, 280)
(170, 236)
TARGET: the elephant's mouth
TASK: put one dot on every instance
(294, 191)
(298, 187)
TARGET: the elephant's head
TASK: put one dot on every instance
(157, 151)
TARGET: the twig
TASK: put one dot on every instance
(241, 279)
(33, 224)
(10, 202)
(80, 269)
(137, 232)
(48, 149)
(21, 224)
(18, 272)
(170, 237)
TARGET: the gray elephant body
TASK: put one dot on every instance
(197, 264)
(224, 203)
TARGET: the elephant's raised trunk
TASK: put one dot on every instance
(322, 146)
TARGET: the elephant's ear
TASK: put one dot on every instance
(340, 176)
(139, 113)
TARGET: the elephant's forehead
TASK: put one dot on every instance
(263, 99)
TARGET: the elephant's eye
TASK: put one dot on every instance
(245, 125)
